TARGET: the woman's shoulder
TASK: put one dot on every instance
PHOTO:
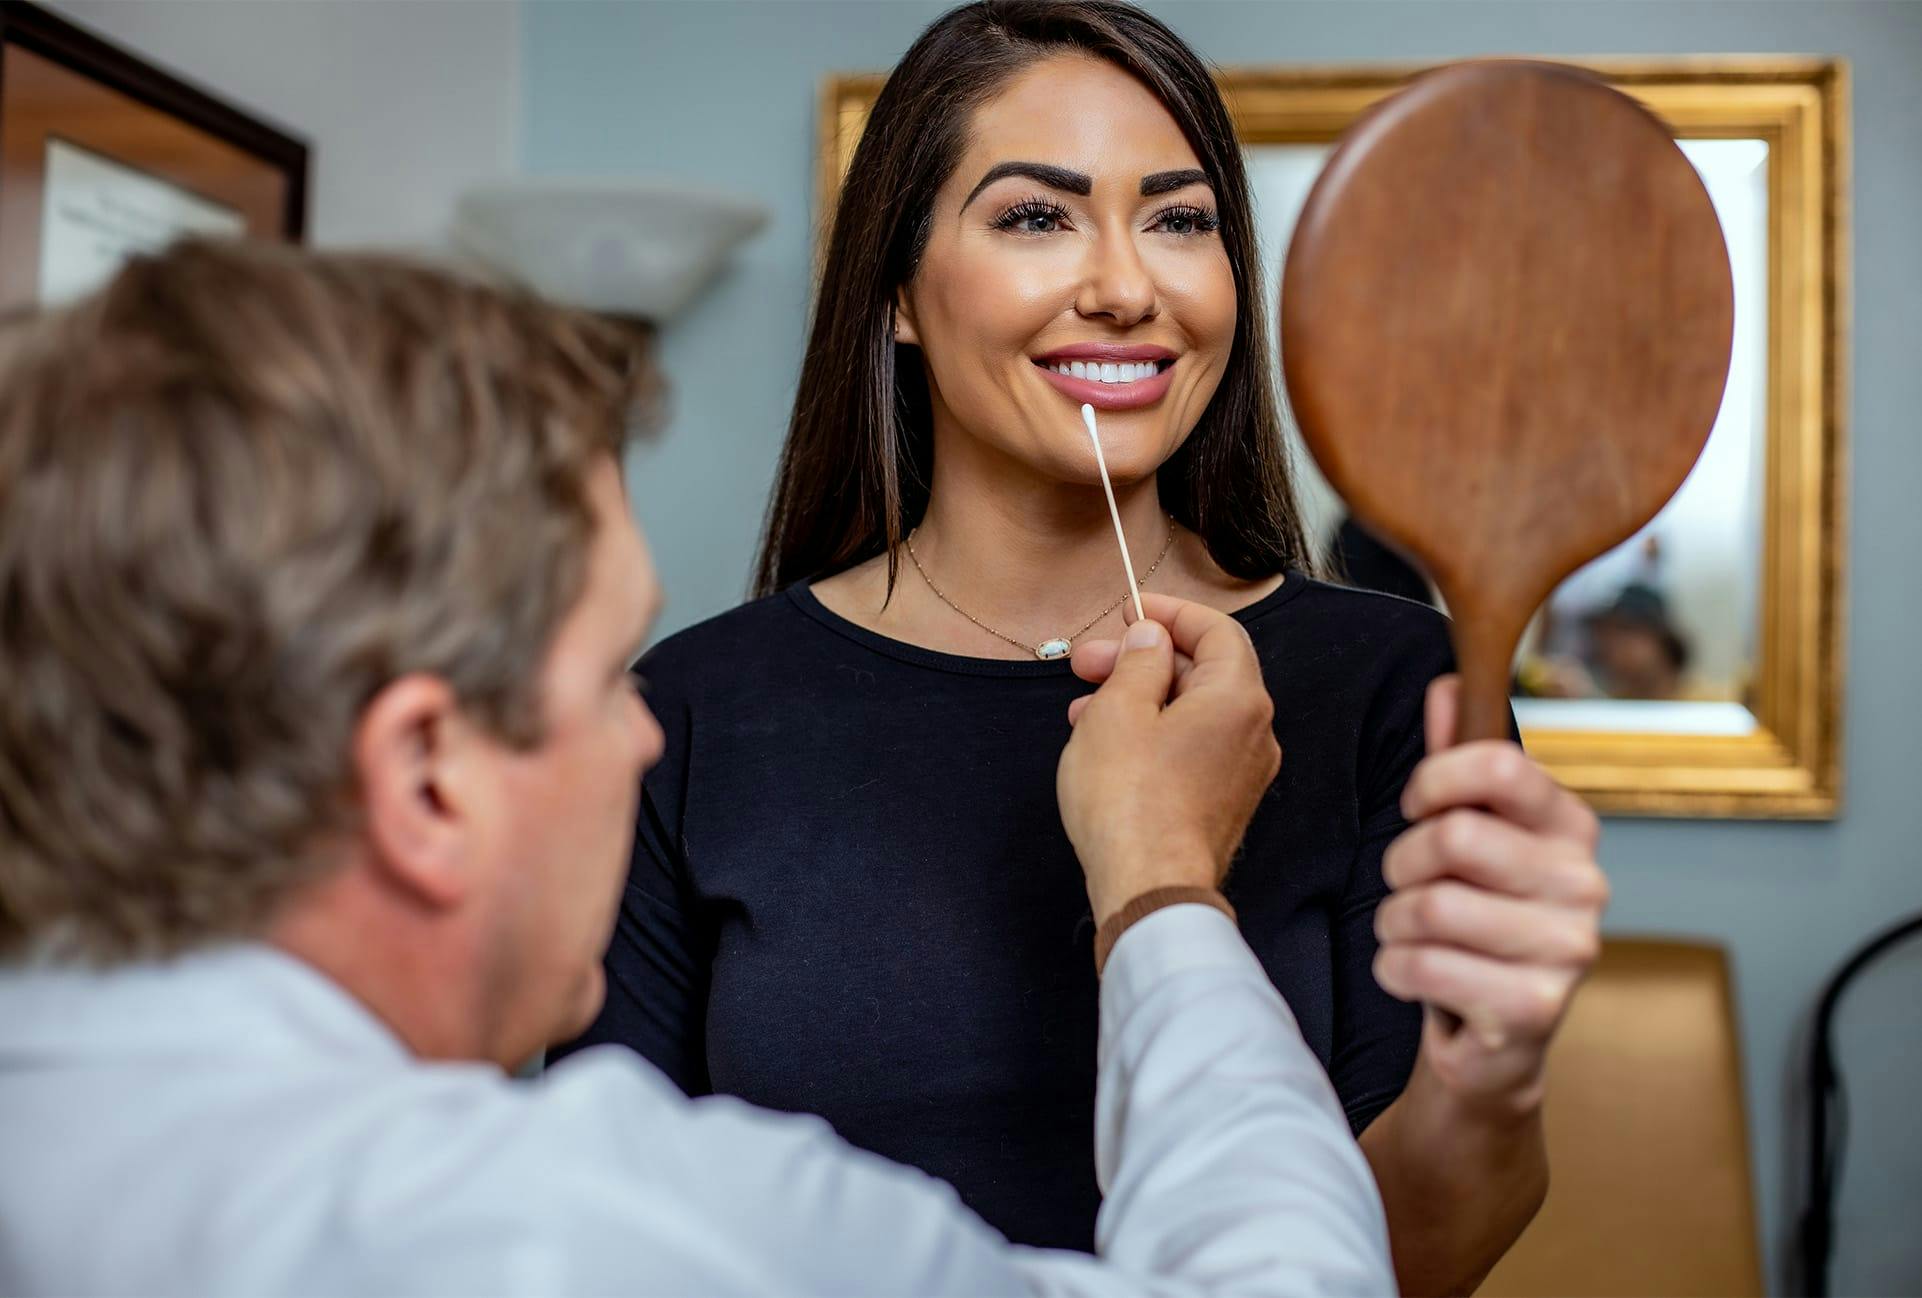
(743, 639)
(1353, 667)
(1351, 656)
(1350, 621)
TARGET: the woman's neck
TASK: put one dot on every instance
(1030, 557)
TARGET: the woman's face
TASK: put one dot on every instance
(1077, 233)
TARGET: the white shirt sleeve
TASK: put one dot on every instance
(1224, 1158)
(290, 1146)
(1225, 1162)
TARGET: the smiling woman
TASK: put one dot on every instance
(1015, 207)
(851, 892)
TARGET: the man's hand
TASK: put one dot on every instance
(1165, 767)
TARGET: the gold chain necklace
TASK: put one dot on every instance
(1058, 646)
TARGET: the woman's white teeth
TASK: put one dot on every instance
(1105, 373)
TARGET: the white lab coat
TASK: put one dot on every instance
(235, 1123)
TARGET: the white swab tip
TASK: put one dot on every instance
(1087, 417)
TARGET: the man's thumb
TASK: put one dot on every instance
(1146, 667)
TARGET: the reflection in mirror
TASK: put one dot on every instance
(1660, 635)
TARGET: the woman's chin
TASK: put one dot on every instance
(1134, 449)
(1129, 465)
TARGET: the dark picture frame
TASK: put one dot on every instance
(65, 90)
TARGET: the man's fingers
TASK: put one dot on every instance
(1094, 659)
(1200, 632)
(1142, 675)
(1209, 646)
(1222, 654)
(1187, 622)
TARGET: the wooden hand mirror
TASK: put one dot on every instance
(1505, 327)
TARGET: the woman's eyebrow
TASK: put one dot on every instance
(1073, 182)
(1161, 182)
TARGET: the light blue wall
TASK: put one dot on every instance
(724, 92)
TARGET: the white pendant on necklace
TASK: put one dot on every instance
(1056, 648)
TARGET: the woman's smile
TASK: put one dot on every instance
(1109, 376)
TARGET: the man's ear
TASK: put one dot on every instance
(413, 752)
(904, 329)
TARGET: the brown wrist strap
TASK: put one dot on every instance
(1147, 904)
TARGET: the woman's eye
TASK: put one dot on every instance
(1187, 220)
(1032, 217)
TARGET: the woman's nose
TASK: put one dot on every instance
(1117, 285)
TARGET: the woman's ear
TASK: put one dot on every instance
(904, 330)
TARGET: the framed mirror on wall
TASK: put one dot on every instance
(103, 155)
(1697, 669)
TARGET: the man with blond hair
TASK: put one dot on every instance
(319, 758)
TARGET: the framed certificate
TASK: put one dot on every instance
(103, 156)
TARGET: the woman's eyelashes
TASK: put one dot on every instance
(1039, 216)
(1032, 216)
(1186, 219)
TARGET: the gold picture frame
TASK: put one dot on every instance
(1789, 765)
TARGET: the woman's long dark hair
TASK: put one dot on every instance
(854, 472)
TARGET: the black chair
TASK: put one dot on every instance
(1829, 1110)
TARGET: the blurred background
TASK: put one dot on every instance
(416, 110)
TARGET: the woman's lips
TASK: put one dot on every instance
(1111, 396)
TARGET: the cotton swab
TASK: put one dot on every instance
(1114, 511)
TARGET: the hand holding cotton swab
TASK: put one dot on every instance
(1114, 511)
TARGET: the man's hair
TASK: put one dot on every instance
(242, 489)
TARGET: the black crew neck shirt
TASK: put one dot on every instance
(851, 894)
